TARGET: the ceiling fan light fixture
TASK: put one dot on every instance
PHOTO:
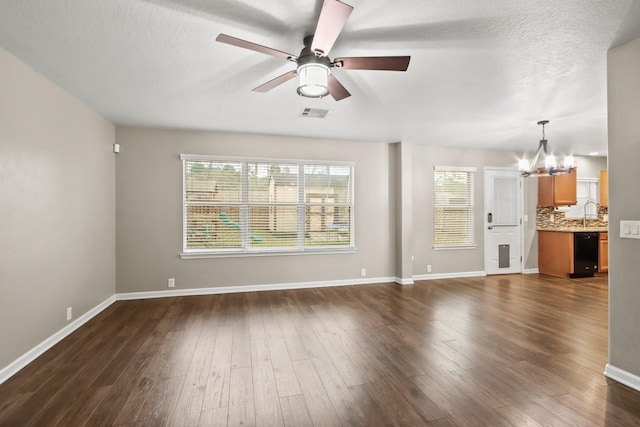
(314, 79)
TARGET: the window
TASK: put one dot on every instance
(586, 191)
(238, 206)
(453, 204)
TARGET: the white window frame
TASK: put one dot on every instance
(301, 204)
(577, 211)
(472, 172)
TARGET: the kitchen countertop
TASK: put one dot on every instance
(574, 229)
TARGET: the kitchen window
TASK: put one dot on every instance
(453, 207)
(252, 206)
(586, 191)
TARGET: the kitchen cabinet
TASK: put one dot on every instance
(557, 190)
(603, 253)
(556, 252)
(604, 188)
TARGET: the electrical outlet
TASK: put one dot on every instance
(363, 272)
(69, 313)
(428, 268)
(171, 283)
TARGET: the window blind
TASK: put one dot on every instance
(586, 190)
(254, 205)
(453, 205)
(505, 192)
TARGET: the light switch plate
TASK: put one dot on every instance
(629, 229)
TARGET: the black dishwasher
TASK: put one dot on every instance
(585, 254)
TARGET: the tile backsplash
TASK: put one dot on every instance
(544, 215)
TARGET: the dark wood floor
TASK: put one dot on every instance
(501, 350)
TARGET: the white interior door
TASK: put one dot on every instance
(502, 221)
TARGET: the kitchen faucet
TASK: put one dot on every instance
(584, 218)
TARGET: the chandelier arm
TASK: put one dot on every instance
(545, 147)
(534, 161)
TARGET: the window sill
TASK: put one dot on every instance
(453, 247)
(328, 251)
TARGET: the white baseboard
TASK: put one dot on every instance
(433, 276)
(622, 376)
(400, 281)
(250, 288)
(22, 361)
(530, 271)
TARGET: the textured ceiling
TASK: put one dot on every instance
(482, 73)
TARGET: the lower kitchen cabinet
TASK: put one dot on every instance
(556, 253)
(603, 253)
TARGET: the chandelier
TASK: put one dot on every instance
(551, 166)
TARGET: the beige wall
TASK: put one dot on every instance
(57, 215)
(530, 201)
(624, 170)
(590, 167)
(403, 157)
(467, 260)
(149, 215)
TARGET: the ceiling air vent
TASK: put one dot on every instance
(314, 113)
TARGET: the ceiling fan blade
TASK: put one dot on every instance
(333, 16)
(336, 89)
(223, 38)
(387, 63)
(266, 87)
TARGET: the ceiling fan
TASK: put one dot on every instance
(313, 63)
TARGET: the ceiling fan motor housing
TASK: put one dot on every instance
(307, 56)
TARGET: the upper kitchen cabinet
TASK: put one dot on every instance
(557, 190)
(604, 188)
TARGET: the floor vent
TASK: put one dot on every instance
(314, 113)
